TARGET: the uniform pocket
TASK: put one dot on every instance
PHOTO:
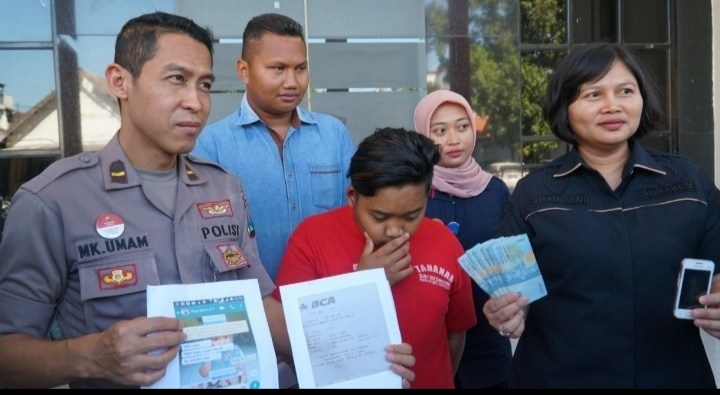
(113, 290)
(225, 258)
(325, 182)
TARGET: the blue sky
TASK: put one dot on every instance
(29, 74)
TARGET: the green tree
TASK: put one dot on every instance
(542, 22)
(504, 85)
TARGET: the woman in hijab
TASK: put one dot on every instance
(469, 200)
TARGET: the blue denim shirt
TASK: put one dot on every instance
(310, 178)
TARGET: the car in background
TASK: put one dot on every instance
(510, 172)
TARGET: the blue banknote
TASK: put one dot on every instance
(505, 264)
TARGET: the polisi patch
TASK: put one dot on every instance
(220, 231)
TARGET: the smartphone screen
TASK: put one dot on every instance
(694, 284)
(220, 350)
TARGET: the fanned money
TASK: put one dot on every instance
(505, 264)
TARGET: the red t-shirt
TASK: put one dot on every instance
(434, 300)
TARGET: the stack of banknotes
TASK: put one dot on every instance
(505, 264)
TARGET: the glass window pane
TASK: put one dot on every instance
(228, 18)
(102, 17)
(539, 144)
(224, 62)
(99, 111)
(29, 94)
(94, 53)
(98, 23)
(594, 20)
(357, 65)
(478, 57)
(385, 109)
(365, 18)
(352, 47)
(657, 62)
(24, 20)
(654, 17)
(16, 171)
(543, 21)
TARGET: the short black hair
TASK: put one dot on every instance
(137, 41)
(589, 63)
(393, 157)
(270, 23)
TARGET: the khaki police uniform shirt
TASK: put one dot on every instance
(83, 240)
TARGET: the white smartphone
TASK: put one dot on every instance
(694, 280)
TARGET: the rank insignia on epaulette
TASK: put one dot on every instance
(190, 173)
(117, 172)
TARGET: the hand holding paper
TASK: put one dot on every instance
(339, 327)
(228, 341)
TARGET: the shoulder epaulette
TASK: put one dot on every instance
(61, 167)
(203, 161)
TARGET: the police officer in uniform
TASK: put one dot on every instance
(84, 238)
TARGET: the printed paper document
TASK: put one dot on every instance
(228, 343)
(339, 327)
